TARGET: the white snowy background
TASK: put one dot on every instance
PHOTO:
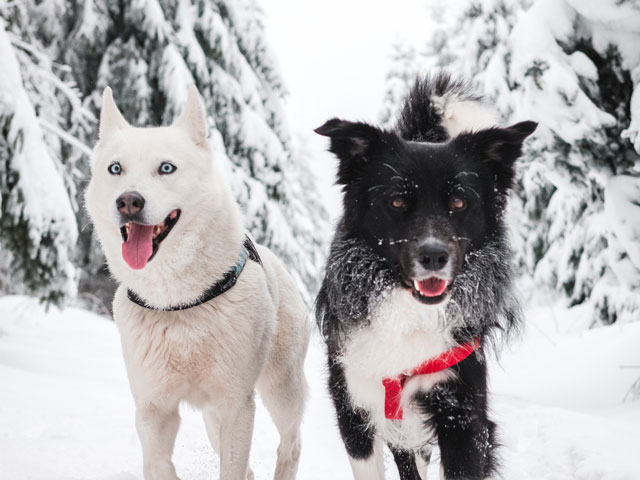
(562, 394)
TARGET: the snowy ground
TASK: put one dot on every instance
(66, 411)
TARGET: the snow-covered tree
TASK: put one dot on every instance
(573, 66)
(37, 224)
(149, 51)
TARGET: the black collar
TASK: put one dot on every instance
(225, 283)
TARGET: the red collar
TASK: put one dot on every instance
(393, 385)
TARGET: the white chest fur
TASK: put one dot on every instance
(196, 354)
(402, 334)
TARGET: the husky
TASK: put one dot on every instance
(419, 281)
(205, 316)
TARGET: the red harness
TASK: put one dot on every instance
(393, 385)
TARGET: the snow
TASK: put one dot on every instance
(334, 56)
(558, 395)
(46, 199)
(175, 78)
(66, 410)
(633, 131)
(149, 51)
(525, 56)
(38, 201)
(622, 208)
(610, 15)
(151, 16)
(533, 41)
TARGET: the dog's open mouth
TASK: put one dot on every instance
(141, 242)
(431, 291)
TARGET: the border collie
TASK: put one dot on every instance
(419, 281)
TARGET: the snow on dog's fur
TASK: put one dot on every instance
(420, 264)
(184, 235)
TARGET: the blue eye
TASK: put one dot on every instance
(166, 168)
(115, 168)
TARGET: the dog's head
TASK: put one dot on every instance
(147, 182)
(424, 206)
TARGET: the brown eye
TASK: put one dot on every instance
(457, 204)
(397, 202)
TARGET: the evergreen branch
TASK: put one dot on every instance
(65, 137)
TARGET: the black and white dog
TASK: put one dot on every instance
(419, 281)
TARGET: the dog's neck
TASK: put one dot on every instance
(190, 263)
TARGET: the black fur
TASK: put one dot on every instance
(398, 190)
(458, 414)
(353, 423)
(406, 463)
(420, 120)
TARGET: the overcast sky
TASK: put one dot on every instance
(334, 56)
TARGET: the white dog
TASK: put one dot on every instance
(174, 238)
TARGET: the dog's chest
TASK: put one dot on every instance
(160, 341)
(402, 334)
(189, 357)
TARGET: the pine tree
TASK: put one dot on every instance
(149, 51)
(37, 224)
(573, 68)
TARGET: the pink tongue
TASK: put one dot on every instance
(138, 248)
(432, 287)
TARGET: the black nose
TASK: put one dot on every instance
(433, 257)
(130, 203)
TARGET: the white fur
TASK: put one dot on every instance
(403, 334)
(372, 468)
(462, 115)
(215, 354)
(422, 465)
(111, 120)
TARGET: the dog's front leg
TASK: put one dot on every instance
(459, 415)
(212, 423)
(236, 430)
(406, 463)
(364, 450)
(371, 467)
(157, 428)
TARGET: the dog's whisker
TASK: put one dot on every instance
(378, 187)
(473, 190)
(391, 168)
(461, 174)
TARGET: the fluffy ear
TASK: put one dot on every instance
(498, 147)
(192, 119)
(111, 120)
(354, 144)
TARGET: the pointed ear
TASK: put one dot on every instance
(354, 143)
(111, 120)
(192, 119)
(499, 148)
